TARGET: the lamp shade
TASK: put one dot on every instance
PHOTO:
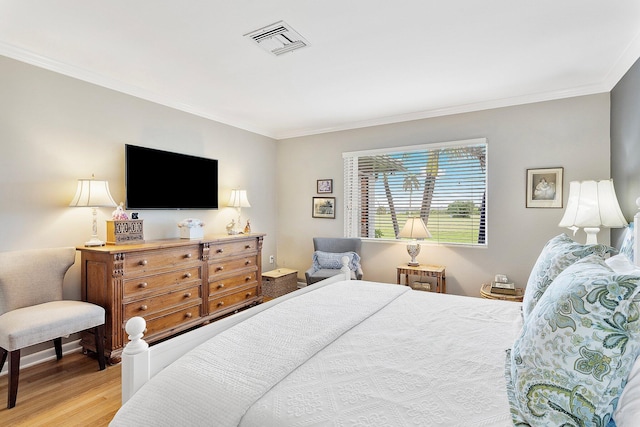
(93, 193)
(238, 199)
(592, 204)
(415, 228)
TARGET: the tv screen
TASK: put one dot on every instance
(156, 179)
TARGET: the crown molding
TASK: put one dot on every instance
(47, 63)
(614, 75)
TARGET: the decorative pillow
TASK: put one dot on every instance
(557, 254)
(573, 357)
(627, 247)
(333, 260)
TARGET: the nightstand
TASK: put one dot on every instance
(436, 271)
(485, 292)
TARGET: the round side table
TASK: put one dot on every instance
(485, 292)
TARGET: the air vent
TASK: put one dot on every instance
(278, 38)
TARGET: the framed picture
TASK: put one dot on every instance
(325, 186)
(544, 188)
(324, 207)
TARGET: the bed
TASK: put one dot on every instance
(359, 353)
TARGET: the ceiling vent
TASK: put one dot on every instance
(278, 38)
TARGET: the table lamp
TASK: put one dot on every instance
(238, 200)
(93, 194)
(415, 229)
(591, 205)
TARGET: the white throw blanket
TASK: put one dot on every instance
(216, 383)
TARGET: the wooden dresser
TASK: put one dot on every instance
(174, 284)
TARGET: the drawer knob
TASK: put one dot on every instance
(188, 255)
(220, 268)
(143, 262)
(247, 246)
(247, 262)
(188, 315)
(187, 275)
(221, 285)
(248, 294)
(220, 304)
(219, 250)
(187, 295)
(246, 279)
(143, 307)
(143, 285)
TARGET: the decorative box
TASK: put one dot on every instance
(191, 232)
(122, 232)
(276, 283)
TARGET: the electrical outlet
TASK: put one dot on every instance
(272, 259)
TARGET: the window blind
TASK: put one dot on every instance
(444, 184)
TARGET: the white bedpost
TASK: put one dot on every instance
(135, 358)
(345, 268)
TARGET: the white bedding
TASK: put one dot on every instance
(351, 353)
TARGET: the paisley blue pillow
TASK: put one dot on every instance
(557, 254)
(573, 357)
(333, 260)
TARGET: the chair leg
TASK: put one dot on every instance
(3, 357)
(14, 374)
(99, 333)
(57, 343)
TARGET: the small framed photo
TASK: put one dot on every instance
(325, 186)
(544, 188)
(324, 207)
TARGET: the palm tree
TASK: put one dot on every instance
(410, 182)
(381, 167)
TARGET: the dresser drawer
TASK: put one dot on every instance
(158, 282)
(141, 263)
(230, 249)
(162, 302)
(172, 320)
(230, 300)
(226, 285)
(224, 267)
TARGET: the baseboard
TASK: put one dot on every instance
(44, 355)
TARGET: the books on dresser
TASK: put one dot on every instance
(503, 288)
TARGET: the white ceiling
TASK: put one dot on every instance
(369, 61)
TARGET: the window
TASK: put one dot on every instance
(444, 184)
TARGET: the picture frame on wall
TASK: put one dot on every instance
(544, 187)
(325, 186)
(324, 207)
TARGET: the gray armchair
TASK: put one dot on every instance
(335, 245)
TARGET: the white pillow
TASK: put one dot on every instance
(621, 264)
(627, 414)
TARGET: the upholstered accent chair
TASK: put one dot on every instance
(32, 310)
(327, 255)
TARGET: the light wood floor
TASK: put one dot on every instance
(69, 392)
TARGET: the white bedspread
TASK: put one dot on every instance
(349, 354)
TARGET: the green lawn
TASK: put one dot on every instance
(442, 226)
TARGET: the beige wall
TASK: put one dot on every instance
(572, 133)
(55, 129)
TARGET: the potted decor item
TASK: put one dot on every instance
(191, 228)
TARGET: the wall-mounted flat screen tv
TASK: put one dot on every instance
(156, 179)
